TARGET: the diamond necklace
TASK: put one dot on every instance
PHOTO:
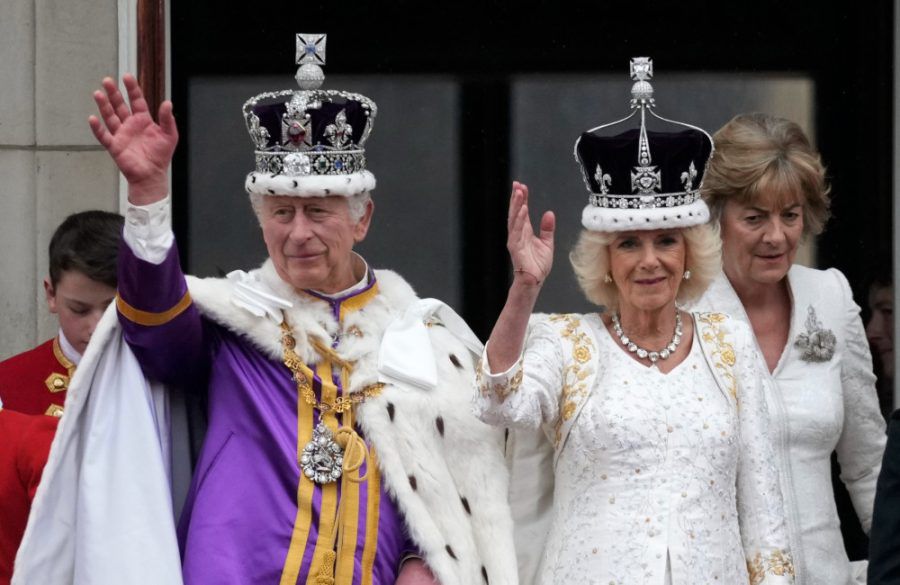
(642, 353)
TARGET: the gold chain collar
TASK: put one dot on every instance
(296, 365)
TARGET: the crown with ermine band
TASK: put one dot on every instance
(309, 141)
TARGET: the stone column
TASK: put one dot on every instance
(54, 54)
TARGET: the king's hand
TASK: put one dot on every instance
(141, 148)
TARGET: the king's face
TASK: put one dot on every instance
(310, 240)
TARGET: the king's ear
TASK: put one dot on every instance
(362, 226)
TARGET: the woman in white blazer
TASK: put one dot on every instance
(766, 186)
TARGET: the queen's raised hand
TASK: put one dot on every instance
(141, 148)
(531, 255)
(532, 258)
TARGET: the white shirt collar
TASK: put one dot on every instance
(68, 349)
(363, 283)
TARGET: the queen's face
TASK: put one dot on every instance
(759, 241)
(647, 268)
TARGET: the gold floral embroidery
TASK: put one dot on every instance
(777, 563)
(514, 383)
(500, 389)
(582, 354)
(724, 352)
(574, 373)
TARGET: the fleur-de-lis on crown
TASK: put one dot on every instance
(688, 176)
(339, 133)
(603, 179)
(258, 134)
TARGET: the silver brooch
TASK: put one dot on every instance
(817, 344)
(322, 459)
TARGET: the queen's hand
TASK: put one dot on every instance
(531, 255)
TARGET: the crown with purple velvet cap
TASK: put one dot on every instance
(641, 179)
(309, 142)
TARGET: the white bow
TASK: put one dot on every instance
(251, 294)
(406, 353)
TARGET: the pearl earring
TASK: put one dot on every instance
(607, 278)
(686, 275)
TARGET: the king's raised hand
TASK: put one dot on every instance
(141, 148)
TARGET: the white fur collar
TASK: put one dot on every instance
(309, 317)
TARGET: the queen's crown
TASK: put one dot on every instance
(639, 177)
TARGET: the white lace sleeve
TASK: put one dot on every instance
(760, 503)
(861, 445)
(527, 394)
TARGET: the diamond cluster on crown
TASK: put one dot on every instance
(643, 201)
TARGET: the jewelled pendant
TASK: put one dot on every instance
(322, 458)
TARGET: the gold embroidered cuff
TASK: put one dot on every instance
(500, 385)
(777, 563)
(149, 319)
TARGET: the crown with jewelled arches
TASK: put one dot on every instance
(642, 179)
(309, 142)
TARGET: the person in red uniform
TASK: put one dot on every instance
(24, 446)
(81, 285)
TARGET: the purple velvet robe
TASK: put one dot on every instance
(242, 523)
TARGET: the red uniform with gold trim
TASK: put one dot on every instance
(35, 381)
(24, 446)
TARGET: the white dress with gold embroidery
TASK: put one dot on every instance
(659, 478)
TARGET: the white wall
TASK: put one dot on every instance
(54, 54)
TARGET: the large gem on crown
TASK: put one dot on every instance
(297, 164)
(296, 132)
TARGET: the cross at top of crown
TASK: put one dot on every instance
(311, 48)
(641, 72)
(310, 55)
(641, 68)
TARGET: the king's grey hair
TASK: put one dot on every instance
(357, 204)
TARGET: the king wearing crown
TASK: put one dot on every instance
(340, 447)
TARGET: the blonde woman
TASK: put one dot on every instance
(660, 476)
